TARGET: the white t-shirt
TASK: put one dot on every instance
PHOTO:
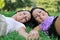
(13, 25)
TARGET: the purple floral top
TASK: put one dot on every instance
(46, 24)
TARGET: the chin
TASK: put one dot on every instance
(39, 22)
(23, 22)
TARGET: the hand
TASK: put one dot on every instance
(33, 35)
(22, 32)
(25, 35)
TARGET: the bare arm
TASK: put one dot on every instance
(22, 32)
(37, 28)
(34, 33)
(57, 25)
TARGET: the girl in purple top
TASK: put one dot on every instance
(47, 23)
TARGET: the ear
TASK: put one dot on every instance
(14, 16)
(57, 25)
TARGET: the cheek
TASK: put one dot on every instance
(22, 21)
(43, 16)
(19, 17)
(28, 18)
(38, 20)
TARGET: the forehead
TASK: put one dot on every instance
(24, 12)
(37, 10)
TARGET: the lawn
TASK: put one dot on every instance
(14, 35)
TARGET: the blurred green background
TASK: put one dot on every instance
(9, 7)
(52, 6)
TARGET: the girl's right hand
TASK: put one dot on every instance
(33, 35)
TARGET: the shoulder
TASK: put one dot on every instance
(19, 23)
(47, 22)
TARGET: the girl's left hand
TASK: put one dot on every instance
(33, 35)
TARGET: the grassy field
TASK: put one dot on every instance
(14, 35)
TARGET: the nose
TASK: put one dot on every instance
(25, 17)
(38, 14)
(20, 17)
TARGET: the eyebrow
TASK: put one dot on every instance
(36, 16)
(39, 11)
(24, 13)
(25, 19)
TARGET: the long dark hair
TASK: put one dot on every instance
(27, 23)
(21, 11)
(31, 23)
(32, 18)
(38, 8)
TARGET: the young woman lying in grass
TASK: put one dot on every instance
(14, 23)
(48, 24)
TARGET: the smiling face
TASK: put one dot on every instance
(22, 16)
(39, 15)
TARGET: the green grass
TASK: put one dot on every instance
(14, 35)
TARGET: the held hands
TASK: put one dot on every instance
(33, 35)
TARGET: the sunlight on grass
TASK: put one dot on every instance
(15, 36)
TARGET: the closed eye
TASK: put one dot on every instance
(24, 13)
(39, 11)
(35, 16)
(26, 19)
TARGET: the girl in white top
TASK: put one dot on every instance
(14, 23)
